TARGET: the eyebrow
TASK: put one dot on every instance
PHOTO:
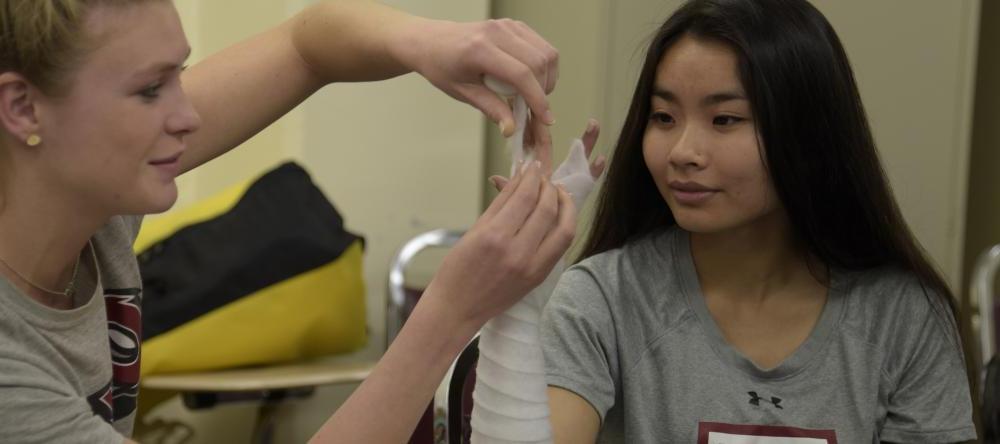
(709, 100)
(163, 66)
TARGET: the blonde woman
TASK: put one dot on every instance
(95, 125)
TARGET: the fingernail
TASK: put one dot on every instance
(591, 125)
(503, 129)
(549, 118)
(537, 164)
(522, 167)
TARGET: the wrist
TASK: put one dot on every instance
(453, 325)
(406, 43)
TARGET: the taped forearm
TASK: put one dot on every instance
(510, 401)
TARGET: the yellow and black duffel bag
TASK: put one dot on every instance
(261, 273)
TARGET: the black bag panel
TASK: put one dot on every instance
(281, 227)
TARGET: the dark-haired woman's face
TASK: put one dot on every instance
(700, 144)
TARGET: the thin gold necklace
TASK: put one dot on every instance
(68, 292)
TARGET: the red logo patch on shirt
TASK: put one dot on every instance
(125, 334)
(721, 433)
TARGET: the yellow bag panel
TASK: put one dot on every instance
(312, 314)
(162, 227)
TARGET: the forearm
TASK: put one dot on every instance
(356, 40)
(386, 407)
(246, 87)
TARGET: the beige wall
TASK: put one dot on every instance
(915, 71)
(397, 158)
(916, 74)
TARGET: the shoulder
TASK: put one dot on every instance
(890, 295)
(895, 311)
(113, 248)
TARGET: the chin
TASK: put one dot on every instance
(163, 206)
(700, 222)
(161, 201)
(699, 228)
(159, 209)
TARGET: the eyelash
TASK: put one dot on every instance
(151, 92)
(658, 117)
(723, 120)
(732, 120)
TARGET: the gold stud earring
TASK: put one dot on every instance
(34, 140)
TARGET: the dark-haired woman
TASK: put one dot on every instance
(748, 276)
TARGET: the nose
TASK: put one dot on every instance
(688, 151)
(185, 119)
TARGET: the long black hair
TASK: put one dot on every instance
(820, 153)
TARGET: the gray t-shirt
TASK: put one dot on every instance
(629, 331)
(71, 376)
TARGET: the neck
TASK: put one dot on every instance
(41, 237)
(755, 261)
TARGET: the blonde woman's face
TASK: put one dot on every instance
(116, 138)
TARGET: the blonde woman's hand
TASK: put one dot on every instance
(455, 57)
(589, 139)
(508, 251)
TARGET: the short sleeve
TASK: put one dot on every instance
(930, 402)
(132, 226)
(578, 340)
(35, 409)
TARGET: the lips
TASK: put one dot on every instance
(166, 160)
(689, 186)
(691, 193)
(169, 167)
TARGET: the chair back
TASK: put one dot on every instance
(432, 428)
(982, 285)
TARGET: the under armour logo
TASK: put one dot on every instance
(756, 399)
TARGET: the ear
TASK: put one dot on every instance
(18, 116)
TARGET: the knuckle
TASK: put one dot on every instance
(524, 200)
(548, 211)
(551, 54)
(475, 44)
(540, 64)
(513, 265)
(497, 25)
(493, 242)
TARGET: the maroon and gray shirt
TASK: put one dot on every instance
(629, 331)
(73, 375)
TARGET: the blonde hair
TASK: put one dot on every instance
(43, 39)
